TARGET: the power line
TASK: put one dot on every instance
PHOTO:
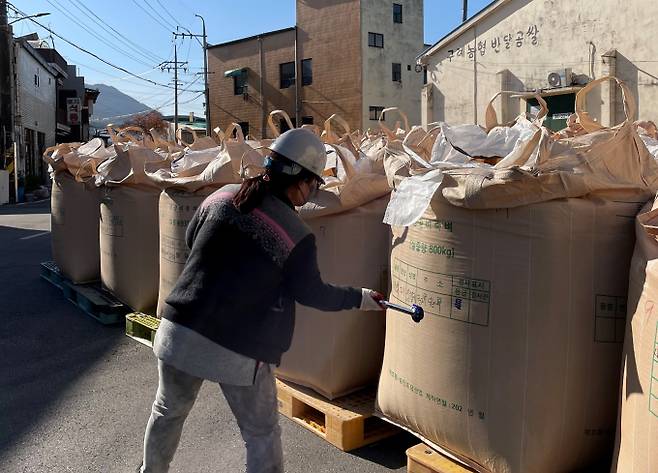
(168, 28)
(98, 20)
(138, 73)
(167, 12)
(167, 22)
(75, 20)
(122, 69)
(113, 78)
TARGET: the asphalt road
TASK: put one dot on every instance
(75, 395)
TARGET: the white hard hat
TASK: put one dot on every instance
(302, 147)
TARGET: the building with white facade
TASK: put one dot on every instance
(545, 46)
(35, 111)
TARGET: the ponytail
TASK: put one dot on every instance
(251, 194)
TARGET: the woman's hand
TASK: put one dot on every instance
(370, 300)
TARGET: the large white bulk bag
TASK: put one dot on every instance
(637, 430)
(129, 234)
(196, 175)
(75, 207)
(74, 228)
(339, 352)
(129, 245)
(521, 268)
(515, 366)
(176, 209)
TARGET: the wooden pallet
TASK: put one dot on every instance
(142, 327)
(423, 459)
(347, 422)
(91, 298)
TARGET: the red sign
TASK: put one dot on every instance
(73, 111)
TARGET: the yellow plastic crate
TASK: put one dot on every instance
(142, 327)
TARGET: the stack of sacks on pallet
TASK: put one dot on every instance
(75, 208)
(200, 170)
(522, 268)
(636, 448)
(129, 224)
(337, 353)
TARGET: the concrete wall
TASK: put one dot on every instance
(569, 34)
(225, 107)
(329, 34)
(402, 43)
(36, 104)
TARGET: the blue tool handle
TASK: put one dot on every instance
(415, 311)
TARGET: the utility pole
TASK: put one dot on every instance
(465, 11)
(175, 88)
(206, 94)
(6, 86)
(204, 45)
(174, 65)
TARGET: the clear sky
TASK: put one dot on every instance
(137, 35)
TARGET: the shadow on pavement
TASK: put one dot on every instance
(43, 206)
(389, 453)
(46, 343)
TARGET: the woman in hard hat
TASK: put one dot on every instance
(231, 315)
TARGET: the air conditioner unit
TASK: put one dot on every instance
(560, 78)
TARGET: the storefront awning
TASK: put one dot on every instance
(235, 72)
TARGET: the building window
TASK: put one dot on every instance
(286, 75)
(36, 79)
(397, 13)
(245, 129)
(308, 120)
(375, 40)
(240, 83)
(307, 71)
(375, 112)
(397, 72)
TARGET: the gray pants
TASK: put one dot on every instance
(254, 408)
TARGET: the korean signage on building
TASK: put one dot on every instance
(73, 111)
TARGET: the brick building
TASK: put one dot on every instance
(350, 57)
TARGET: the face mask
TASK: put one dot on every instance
(313, 187)
(307, 190)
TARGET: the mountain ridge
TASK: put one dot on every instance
(114, 106)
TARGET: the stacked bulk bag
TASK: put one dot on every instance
(337, 353)
(181, 196)
(522, 271)
(75, 208)
(636, 448)
(129, 225)
(176, 209)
